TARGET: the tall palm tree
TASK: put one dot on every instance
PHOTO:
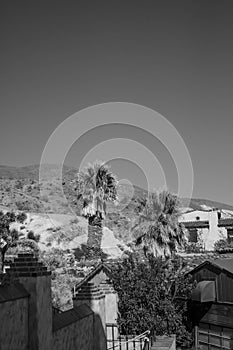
(157, 229)
(96, 185)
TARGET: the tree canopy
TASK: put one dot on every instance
(153, 295)
(7, 236)
(157, 228)
(96, 185)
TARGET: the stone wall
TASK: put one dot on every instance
(14, 324)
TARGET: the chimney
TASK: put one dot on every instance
(92, 295)
(213, 234)
(33, 275)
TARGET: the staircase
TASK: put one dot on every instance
(164, 343)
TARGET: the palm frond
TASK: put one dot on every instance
(97, 185)
(157, 228)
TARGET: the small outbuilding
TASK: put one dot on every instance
(212, 304)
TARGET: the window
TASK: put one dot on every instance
(230, 235)
(193, 235)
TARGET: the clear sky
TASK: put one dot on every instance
(175, 57)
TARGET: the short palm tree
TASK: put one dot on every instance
(157, 229)
(96, 185)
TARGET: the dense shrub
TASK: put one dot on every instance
(89, 253)
(21, 217)
(31, 235)
(14, 234)
(223, 245)
(191, 247)
(27, 245)
(153, 295)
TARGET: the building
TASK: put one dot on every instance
(212, 304)
(207, 227)
(28, 320)
(96, 291)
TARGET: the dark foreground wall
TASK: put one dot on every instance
(78, 329)
(76, 336)
(13, 318)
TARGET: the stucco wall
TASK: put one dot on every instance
(40, 311)
(76, 336)
(99, 330)
(111, 307)
(14, 325)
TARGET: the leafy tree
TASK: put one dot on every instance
(153, 295)
(157, 229)
(58, 261)
(7, 237)
(96, 185)
(62, 285)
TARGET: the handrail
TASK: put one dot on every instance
(140, 336)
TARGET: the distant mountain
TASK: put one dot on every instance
(195, 203)
(200, 204)
(20, 190)
(31, 172)
(27, 172)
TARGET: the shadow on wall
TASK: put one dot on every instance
(78, 329)
(99, 341)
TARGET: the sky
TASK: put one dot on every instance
(175, 57)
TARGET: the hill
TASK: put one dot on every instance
(20, 190)
(32, 172)
(65, 232)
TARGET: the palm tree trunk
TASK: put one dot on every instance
(95, 232)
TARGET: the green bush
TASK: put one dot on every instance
(27, 245)
(31, 235)
(191, 247)
(89, 253)
(153, 295)
(21, 217)
(222, 244)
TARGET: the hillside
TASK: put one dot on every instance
(20, 190)
(31, 173)
(66, 232)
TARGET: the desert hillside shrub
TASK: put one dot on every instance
(89, 253)
(27, 245)
(33, 236)
(14, 234)
(21, 217)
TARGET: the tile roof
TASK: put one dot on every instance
(196, 224)
(225, 222)
(63, 319)
(97, 269)
(12, 292)
(224, 265)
